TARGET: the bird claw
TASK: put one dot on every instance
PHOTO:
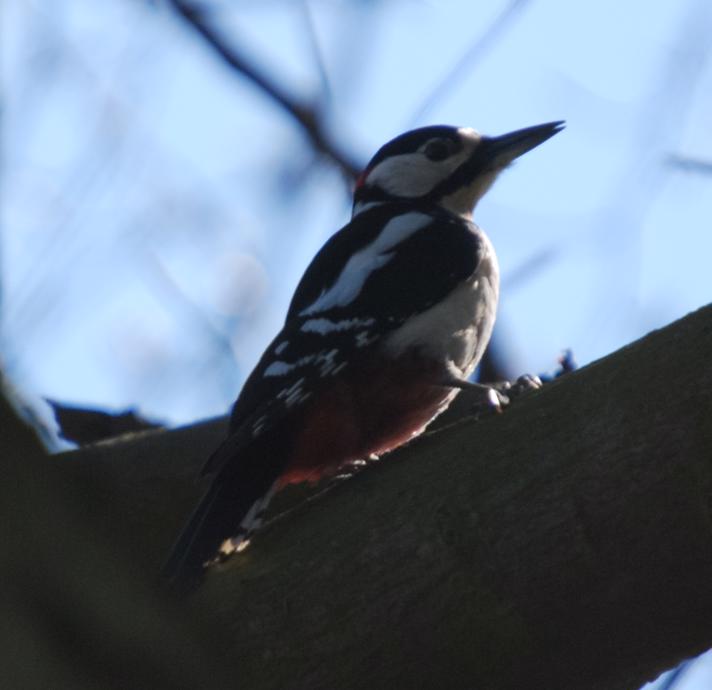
(497, 400)
(526, 382)
(488, 396)
(502, 393)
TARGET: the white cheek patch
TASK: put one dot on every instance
(364, 262)
(412, 174)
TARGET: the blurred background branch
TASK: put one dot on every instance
(688, 164)
(307, 116)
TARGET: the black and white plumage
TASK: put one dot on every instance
(388, 322)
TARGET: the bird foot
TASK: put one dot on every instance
(496, 396)
(490, 397)
(523, 384)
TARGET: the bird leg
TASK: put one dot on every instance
(493, 397)
(496, 395)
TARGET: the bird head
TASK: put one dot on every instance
(452, 167)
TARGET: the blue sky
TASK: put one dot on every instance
(149, 191)
(158, 212)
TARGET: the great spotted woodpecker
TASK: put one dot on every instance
(385, 327)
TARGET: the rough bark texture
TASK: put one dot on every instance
(566, 543)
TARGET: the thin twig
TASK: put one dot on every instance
(690, 164)
(307, 17)
(476, 50)
(305, 116)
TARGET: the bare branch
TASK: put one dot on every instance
(307, 17)
(690, 164)
(304, 114)
(562, 544)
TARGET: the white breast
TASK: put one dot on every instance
(456, 330)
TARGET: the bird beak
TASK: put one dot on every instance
(502, 150)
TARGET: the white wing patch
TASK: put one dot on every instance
(249, 525)
(280, 368)
(258, 426)
(294, 394)
(365, 338)
(324, 326)
(325, 361)
(372, 257)
(458, 328)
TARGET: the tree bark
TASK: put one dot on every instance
(566, 543)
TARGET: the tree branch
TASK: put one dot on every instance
(566, 543)
(305, 116)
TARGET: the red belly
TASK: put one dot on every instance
(377, 410)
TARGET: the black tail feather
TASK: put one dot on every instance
(199, 541)
(232, 507)
(222, 514)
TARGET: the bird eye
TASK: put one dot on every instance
(437, 149)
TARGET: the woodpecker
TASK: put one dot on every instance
(385, 327)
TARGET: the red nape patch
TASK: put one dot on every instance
(374, 411)
(361, 179)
